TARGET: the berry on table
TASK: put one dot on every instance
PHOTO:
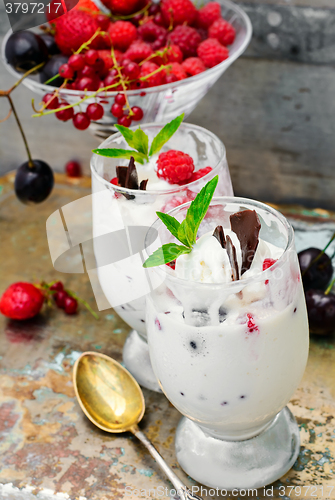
(60, 297)
(95, 111)
(211, 52)
(187, 39)
(33, 181)
(21, 301)
(208, 14)
(73, 169)
(81, 121)
(222, 31)
(70, 305)
(57, 287)
(176, 12)
(64, 114)
(51, 100)
(175, 166)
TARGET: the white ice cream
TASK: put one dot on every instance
(230, 360)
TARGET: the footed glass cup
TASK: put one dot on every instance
(229, 356)
(121, 219)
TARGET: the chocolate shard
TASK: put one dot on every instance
(246, 225)
(143, 185)
(132, 178)
(219, 235)
(121, 173)
(231, 251)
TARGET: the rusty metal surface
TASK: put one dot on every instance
(49, 450)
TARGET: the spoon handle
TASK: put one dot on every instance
(183, 492)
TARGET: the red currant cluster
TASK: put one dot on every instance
(63, 299)
(120, 112)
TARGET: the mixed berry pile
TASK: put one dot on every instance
(140, 44)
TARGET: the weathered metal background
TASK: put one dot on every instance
(49, 450)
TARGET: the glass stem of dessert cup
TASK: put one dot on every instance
(121, 219)
(229, 356)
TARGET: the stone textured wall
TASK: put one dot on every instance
(274, 109)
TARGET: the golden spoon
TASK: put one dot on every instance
(113, 401)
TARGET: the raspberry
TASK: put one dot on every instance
(211, 52)
(222, 31)
(187, 39)
(138, 51)
(176, 201)
(268, 263)
(174, 166)
(176, 12)
(193, 66)
(178, 71)
(174, 54)
(252, 327)
(122, 34)
(208, 14)
(73, 29)
(153, 34)
(153, 80)
(105, 55)
(200, 173)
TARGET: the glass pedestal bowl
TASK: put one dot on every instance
(121, 222)
(229, 356)
(163, 103)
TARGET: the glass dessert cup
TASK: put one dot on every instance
(229, 356)
(163, 103)
(121, 275)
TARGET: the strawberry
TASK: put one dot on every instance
(21, 301)
(75, 28)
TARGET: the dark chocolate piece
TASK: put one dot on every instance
(143, 185)
(219, 235)
(231, 251)
(246, 225)
(121, 173)
(131, 179)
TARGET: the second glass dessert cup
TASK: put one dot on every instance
(121, 219)
(229, 356)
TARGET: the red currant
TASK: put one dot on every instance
(132, 70)
(87, 83)
(64, 114)
(95, 111)
(51, 101)
(66, 71)
(117, 110)
(120, 99)
(76, 61)
(138, 113)
(58, 286)
(171, 78)
(60, 298)
(81, 121)
(158, 19)
(87, 71)
(125, 121)
(103, 21)
(91, 57)
(110, 80)
(73, 169)
(70, 305)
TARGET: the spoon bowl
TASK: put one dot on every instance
(107, 393)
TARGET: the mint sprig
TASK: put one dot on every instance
(139, 140)
(186, 231)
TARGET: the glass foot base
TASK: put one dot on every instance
(137, 360)
(252, 463)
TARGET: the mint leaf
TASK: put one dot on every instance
(173, 226)
(165, 254)
(165, 134)
(138, 139)
(188, 229)
(120, 153)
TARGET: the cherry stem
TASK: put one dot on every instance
(330, 287)
(30, 161)
(320, 254)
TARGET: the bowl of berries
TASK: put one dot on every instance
(138, 62)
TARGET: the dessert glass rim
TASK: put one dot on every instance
(149, 90)
(165, 270)
(161, 192)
